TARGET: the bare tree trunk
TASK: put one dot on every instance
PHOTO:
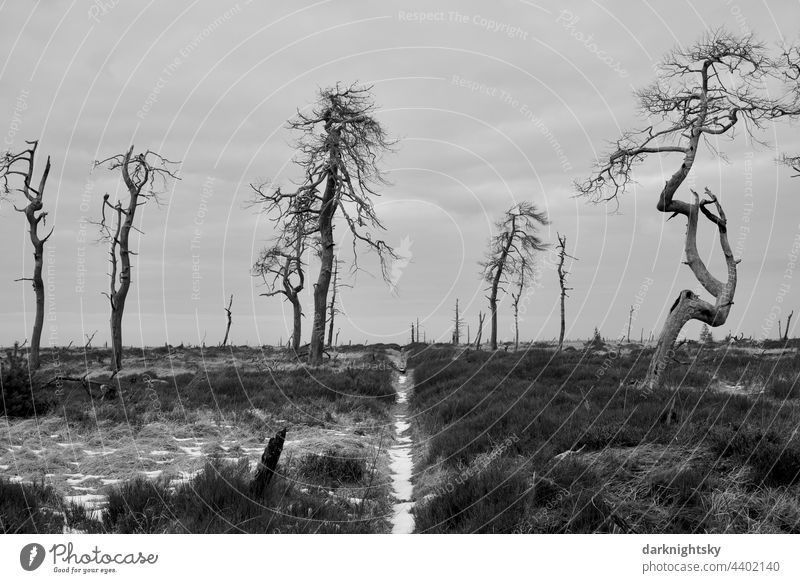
(228, 328)
(343, 156)
(38, 289)
(316, 348)
(481, 319)
(119, 295)
(562, 282)
(297, 323)
(630, 319)
(689, 306)
(116, 336)
(788, 323)
(516, 297)
(457, 329)
(89, 339)
(498, 275)
(493, 331)
(268, 464)
(332, 307)
(136, 181)
(10, 165)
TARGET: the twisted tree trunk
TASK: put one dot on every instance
(689, 306)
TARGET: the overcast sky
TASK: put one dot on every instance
(491, 103)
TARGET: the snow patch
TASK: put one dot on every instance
(401, 465)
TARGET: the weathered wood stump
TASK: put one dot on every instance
(269, 461)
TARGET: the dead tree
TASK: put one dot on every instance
(22, 164)
(788, 323)
(457, 323)
(562, 283)
(785, 334)
(332, 306)
(481, 318)
(145, 176)
(524, 273)
(268, 464)
(706, 90)
(339, 147)
(630, 320)
(516, 240)
(282, 269)
(333, 309)
(89, 339)
(228, 327)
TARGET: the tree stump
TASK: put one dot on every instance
(269, 461)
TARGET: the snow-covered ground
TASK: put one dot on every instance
(401, 463)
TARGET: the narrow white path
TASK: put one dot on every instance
(401, 463)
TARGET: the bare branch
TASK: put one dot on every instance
(145, 176)
(511, 252)
(719, 83)
(339, 148)
(21, 164)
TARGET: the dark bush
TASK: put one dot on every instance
(774, 457)
(79, 518)
(333, 468)
(18, 399)
(217, 500)
(29, 509)
(784, 388)
(139, 506)
(602, 435)
(678, 486)
(493, 501)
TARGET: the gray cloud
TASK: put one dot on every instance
(493, 104)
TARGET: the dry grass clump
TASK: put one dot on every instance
(218, 500)
(600, 456)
